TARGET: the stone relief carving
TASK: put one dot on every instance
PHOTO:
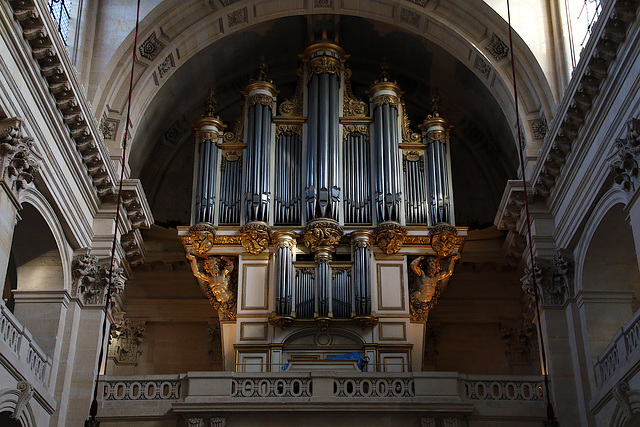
(25, 390)
(255, 237)
(497, 48)
(218, 286)
(629, 400)
(91, 280)
(19, 160)
(521, 338)
(151, 47)
(430, 284)
(625, 164)
(124, 340)
(216, 341)
(390, 237)
(443, 239)
(554, 282)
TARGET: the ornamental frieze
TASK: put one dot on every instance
(391, 100)
(260, 99)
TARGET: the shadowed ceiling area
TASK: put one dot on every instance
(482, 148)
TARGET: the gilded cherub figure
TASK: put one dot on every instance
(429, 279)
(215, 277)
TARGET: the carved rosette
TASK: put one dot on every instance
(19, 160)
(322, 234)
(91, 280)
(201, 238)
(443, 239)
(390, 237)
(255, 237)
(124, 340)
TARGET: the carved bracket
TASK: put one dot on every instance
(554, 282)
(255, 237)
(390, 237)
(19, 160)
(91, 280)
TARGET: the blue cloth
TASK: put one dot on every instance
(347, 356)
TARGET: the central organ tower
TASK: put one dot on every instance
(322, 224)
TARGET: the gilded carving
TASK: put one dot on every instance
(285, 243)
(260, 99)
(324, 64)
(281, 321)
(366, 321)
(352, 107)
(408, 136)
(443, 239)
(208, 135)
(430, 284)
(228, 240)
(255, 237)
(217, 284)
(288, 129)
(230, 156)
(350, 129)
(293, 107)
(417, 240)
(321, 233)
(391, 100)
(390, 237)
(201, 238)
(236, 134)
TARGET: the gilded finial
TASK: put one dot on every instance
(210, 105)
(384, 70)
(435, 105)
(261, 70)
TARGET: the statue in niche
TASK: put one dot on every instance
(217, 280)
(429, 286)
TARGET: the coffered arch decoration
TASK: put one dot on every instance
(470, 31)
(478, 100)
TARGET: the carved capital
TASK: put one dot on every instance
(554, 281)
(201, 237)
(391, 100)
(390, 237)
(125, 339)
(443, 239)
(355, 129)
(260, 99)
(284, 239)
(625, 165)
(19, 160)
(324, 64)
(255, 236)
(91, 280)
(521, 339)
(361, 239)
(322, 233)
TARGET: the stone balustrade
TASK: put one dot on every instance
(21, 344)
(619, 352)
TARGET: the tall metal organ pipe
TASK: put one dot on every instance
(260, 95)
(284, 245)
(209, 130)
(361, 273)
(388, 192)
(322, 186)
(435, 134)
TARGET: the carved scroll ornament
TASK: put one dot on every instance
(390, 237)
(255, 237)
(322, 233)
(201, 237)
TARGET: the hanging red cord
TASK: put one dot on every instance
(93, 411)
(550, 412)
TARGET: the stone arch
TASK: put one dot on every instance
(10, 402)
(607, 275)
(314, 343)
(185, 31)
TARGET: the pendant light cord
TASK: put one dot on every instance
(536, 294)
(93, 411)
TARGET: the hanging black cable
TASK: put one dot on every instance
(93, 411)
(545, 373)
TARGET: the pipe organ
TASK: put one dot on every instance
(313, 187)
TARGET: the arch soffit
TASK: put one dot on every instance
(609, 200)
(464, 30)
(40, 203)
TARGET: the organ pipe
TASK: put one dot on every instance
(361, 274)
(435, 133)
(284, 245)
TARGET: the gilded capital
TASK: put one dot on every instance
(443, 239)
(361, 239)
(260, 99)
(201, 237)
(284, 239)
(322, 234)
(383, 99)
(255, 236)
(390, 237)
